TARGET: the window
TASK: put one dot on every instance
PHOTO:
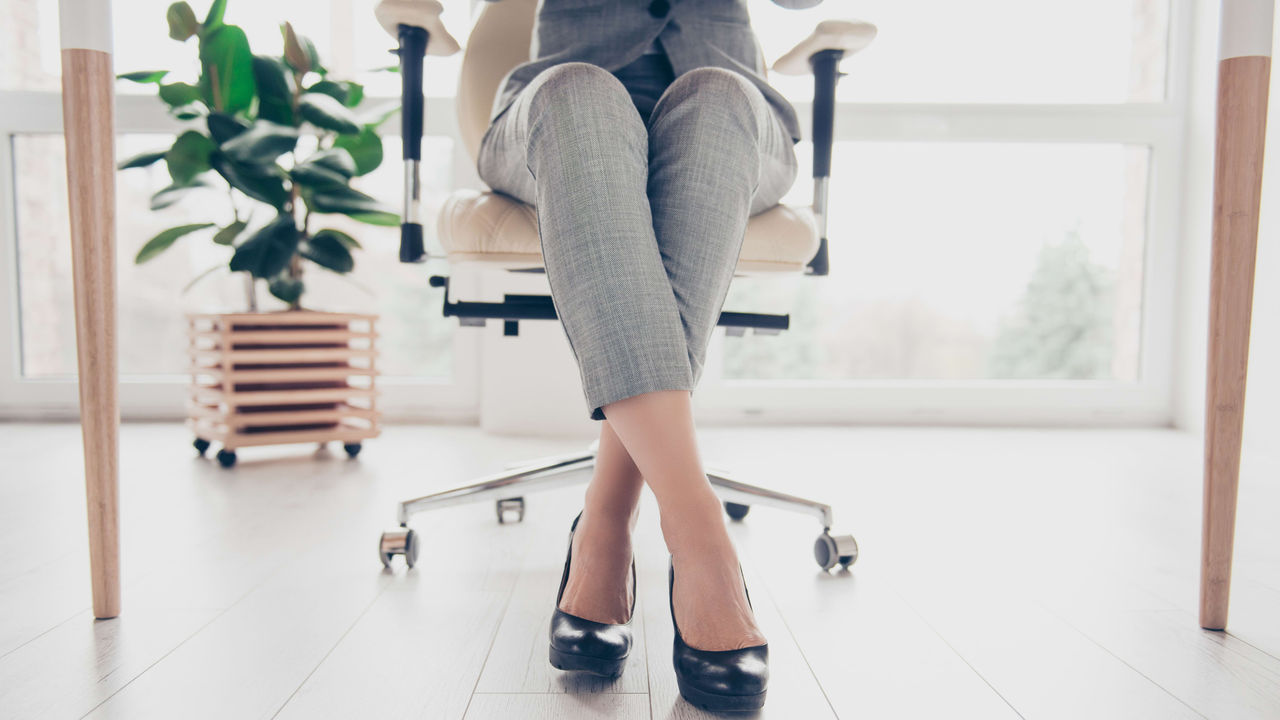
(420, 356)
(1005, 199)
(963, 261)
(412, 342)
(1002, 224)
(991, 51)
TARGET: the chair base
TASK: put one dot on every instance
(515, 308)
(507, 489)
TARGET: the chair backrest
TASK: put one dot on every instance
(499, 41)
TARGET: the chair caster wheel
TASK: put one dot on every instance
(506, 505)
(226, 458)
(736, 511)
(401, 541)
(839, 550)
(200, 445)
(353, 449)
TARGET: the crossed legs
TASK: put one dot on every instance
(641, 225)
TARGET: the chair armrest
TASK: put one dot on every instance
(416, 26)
(820, 54)
(425, 14)
(847, 36)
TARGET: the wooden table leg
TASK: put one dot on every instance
(88, 101)
(1244, 72)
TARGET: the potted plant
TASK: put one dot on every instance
(285, 140)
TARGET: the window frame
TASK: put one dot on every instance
(1160, 126)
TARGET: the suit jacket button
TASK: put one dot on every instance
(659, 8)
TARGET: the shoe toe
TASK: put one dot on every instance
(579, 636)
(730, 672)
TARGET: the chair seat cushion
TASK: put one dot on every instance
(496, 229)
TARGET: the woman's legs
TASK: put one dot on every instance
(599, 577)
(574, 145)
(717, 155)
(710, 602)
(640, 231)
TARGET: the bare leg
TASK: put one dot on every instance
(599, 586)
(710, 602)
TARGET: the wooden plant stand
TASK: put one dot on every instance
(282, 377)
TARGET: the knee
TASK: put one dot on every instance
(580, 92)
(713, 87)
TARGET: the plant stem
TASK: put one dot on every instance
(295, 262)
(251, 292)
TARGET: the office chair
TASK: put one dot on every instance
(495, 230)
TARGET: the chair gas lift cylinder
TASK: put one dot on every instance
(781, 239)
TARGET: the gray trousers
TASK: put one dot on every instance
(641, 218)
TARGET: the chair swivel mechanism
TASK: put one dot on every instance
(496, 231)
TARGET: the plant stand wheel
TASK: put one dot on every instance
(200, 444)
(400, 541)
(226, 458)
(736, 511)
(831, 550)
(353, 449)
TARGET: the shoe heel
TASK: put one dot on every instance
(583, 663)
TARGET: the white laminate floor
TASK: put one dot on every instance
(1004, 574)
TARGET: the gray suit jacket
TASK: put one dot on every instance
(613, 33)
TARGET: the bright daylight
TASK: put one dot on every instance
(684, 358)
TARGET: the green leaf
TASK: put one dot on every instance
(189, 156)
(192, 111)
(144, 77)
(331, 88)
(161, 242)
(214, 19)
(264, 183)
(365, 149)
(348, 93)
(335, 159)
(226, 69)
(275, 90)
(228, 234)
(328, 252)
(262, 143)
(352, 203)
(269, 250)
(317, 177)
(142, 160)
(325, 112)
(182, 21)
(175, 192)
(355, 94)
(330, 168)
(346, 240)
(180, 93)
(286, 288)
(223, 127)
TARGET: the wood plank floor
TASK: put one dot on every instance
(1004, 574)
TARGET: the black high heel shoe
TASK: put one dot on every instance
(586, 645)
(719, 680)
